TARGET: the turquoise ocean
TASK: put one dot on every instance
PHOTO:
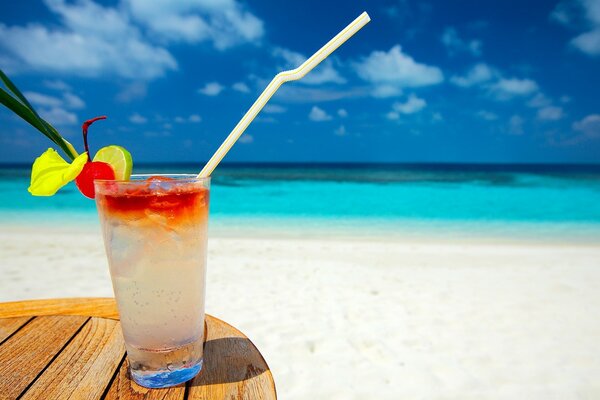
(381, 200)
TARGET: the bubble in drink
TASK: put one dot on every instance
(156, 234)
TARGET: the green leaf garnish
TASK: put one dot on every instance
(11, 86)
(50, 171)
(25, 110)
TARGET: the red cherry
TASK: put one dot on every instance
(93, 170)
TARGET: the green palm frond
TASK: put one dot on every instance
(18, 104)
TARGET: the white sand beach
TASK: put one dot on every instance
(373, 319)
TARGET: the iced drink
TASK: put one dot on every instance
(155, 234)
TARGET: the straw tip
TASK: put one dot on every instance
(365, 15)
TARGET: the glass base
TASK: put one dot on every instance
(164, 379)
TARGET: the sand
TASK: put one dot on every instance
(373, 319)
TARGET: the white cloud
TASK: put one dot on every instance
(478, 74)
(299, 93)
(550, 113)
(565, 99)
(539, 100)
(58, 116)
(240, 87)
(588, 42)
(487, 115)
(384, 90)
(246, 138)
(57, 85)
(68, 101)
(400, 11)
(136, 118)
(455, 44)
(304, 94)
(133, 91)
(274, 109)
(412, 105)
(563, 13)
(581, 14)
(506, 89)
(43, 100)
(589, 126)
(155, 134)
(73, 101)
(194, 118)
(211, 89)
(266, 120)
(342, 113)
(474, 47)
(95, 40)
(318, 114)
(499, 87)
(394, 70)
(225, 23)
(515, 125)
(86, 15)
(392, 115)
(92, 40)
(340, 131)
(323, 73)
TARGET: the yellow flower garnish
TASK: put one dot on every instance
(50, 172)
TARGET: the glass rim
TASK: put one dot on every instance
(136, 179)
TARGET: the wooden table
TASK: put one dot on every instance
(73, 349)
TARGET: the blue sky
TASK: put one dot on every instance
(427, 81)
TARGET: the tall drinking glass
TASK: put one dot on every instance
(155, 235)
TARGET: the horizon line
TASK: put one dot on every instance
(351, 163)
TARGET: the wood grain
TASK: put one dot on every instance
(85, 367)
(8, 326)
(233, 367)
(126, 389)
(92, 363)
(24, 355)
(103, 307)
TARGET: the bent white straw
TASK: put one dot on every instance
(279, 79)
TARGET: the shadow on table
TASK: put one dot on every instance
(228, 360)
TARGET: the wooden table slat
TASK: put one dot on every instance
(25, 354)
(85, 367)
(104, 307)
(91, 363)
(8, 326)
(235, 369)
(123, 388)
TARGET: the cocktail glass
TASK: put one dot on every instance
(155, 235)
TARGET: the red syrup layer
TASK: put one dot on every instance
(179, 203)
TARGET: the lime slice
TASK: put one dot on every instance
(118, 158)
